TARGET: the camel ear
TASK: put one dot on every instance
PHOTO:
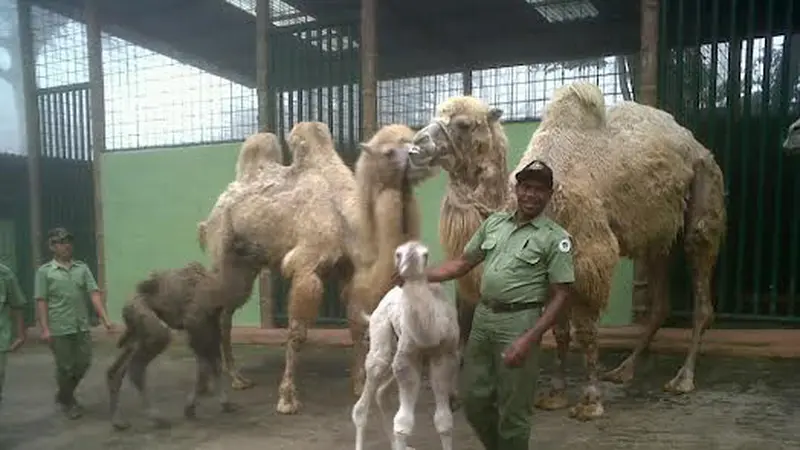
(494, 115)
(365, 148)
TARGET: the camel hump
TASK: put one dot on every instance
(258, 151)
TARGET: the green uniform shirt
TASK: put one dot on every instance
(65, 290)
(10, 297)
(521, 260)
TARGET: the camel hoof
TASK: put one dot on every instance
(621, 375)
(120, 425)
(160, 423)
(680, 385)
(190, 411)
(553, 400)
(240, 383)
(288, 406)
(455, 403)
(587, 411)
(229, 407)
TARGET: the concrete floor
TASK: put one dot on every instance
(740, 404)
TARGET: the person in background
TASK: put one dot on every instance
(60, 289)
(12, 322)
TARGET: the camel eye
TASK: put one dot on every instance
(390, 153)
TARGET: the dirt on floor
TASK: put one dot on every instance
(740, 404)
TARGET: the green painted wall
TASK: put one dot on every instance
(154, 198)
(152, 201)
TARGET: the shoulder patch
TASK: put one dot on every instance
(564, 245)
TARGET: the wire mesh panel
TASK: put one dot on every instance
(412, 101)
(738, 91)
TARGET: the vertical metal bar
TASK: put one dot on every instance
(301, 66)
(265, 121)
(329, 65)
(32, 129)
(466, 81)
(762, 151)
(713, 116)
(344, 74)
(369, 75)
(794, 225)
(98, 115)
(354, 91)
(731, 102)
(745, 150)
(681, 54)
(320, 85)
(75, 103)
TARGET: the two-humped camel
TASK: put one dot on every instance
(316, 219)
(412, 324)
(628, 183)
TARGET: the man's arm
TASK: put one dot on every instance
(458, 267)
(97, 298)
(558, 302)
(17, 303)
(40, 294)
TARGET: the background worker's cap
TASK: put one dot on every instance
(536, 170)
(59, 234)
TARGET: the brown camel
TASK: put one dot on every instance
(307, 217)
(630, 182)
(191, 299)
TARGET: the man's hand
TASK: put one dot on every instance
(515, 354)
(45, 335)
(397, 279)
(17, 343)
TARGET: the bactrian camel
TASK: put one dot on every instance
(308, 218)
(630, 182)
(413, 324)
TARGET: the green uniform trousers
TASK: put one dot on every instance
(73, 356)
(3, 361)
(498, 400)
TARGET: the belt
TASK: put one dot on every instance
(501, 307)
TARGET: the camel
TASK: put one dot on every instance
(473, 153)
(308, 218)
(630, 182)
(190, 298)
(411, 324)
(792, 143)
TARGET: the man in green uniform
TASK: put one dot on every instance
(527, 265)
(12, 322)
(60, 289)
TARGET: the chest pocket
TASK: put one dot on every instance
(531, 257)
(64, 282)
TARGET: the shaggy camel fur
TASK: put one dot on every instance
(629, 182)
(473, 152)
(412, 323)
(191, 299)
(792, 143)
(308, 218)
(388, 217)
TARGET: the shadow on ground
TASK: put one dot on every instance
(740, 404)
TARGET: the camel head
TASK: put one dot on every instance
(463, 128)
(792, 143)
(411, 259)
(387, 157)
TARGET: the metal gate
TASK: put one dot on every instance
(67, 186)
(314, 75)
(729, 71)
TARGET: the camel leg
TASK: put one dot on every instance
(442, 375)
(556, 397)
(238, 382)
(702, 258)
(407, 372)
(305, 297)
(585, 319)
(377, 369)
(658, 292)
(137, 369)
(114, 376)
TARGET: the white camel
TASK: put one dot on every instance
(412, 324)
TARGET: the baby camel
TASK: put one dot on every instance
(413, 323)
(190, 298)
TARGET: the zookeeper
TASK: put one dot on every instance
(12, 306)
(61, 288)
(527, 257)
